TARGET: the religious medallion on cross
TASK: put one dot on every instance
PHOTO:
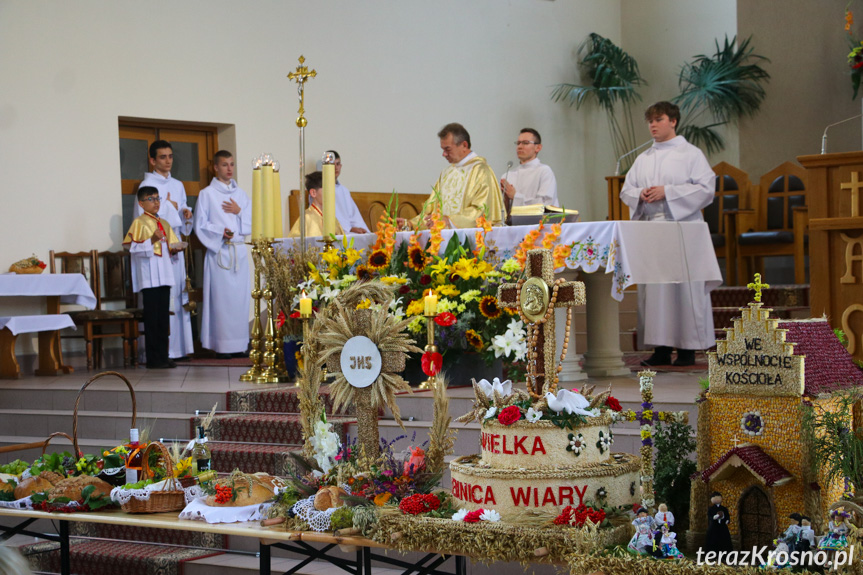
(536, 296)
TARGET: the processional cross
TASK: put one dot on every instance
(536, 296)
(301, 75)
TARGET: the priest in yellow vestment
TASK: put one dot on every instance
(467, 188)
(314, 213)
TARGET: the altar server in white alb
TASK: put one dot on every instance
(347, 212)
(531, 182)
(176, 211)
(671, 181)
(223, 218)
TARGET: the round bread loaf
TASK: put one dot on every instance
(73, 486)
(257, 493)
(32, 485)
(329, 497)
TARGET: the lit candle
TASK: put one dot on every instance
(278, 230)
(329, 199)
(430, 302)
(305, 305)
(257, 201)
(267, 185)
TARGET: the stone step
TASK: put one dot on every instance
(780, 295)
(252, 457)
(116, 424)
(96, 398)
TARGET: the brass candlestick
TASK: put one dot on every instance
(254, 373)
(429, 348)
(274, 358)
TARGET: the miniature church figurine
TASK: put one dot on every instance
(668, 543)
(718, 537)
(837, 531)
(664, 515)
(645, 525)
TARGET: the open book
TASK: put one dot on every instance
(522, 215)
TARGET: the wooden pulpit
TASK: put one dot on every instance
(836, 242)
(617, 210)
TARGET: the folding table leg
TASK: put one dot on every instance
(264, 559)
(65, 567)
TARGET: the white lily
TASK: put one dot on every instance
(533, 415)
(569, 402)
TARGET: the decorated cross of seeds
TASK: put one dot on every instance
(536, 296)
(365, 350)
(757, 286)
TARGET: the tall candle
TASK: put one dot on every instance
(329, 199)
(278, 229)
(257, 205)
(430, 303)
(305, 305)
(267, 185)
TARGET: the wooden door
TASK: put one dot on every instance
(757, 523)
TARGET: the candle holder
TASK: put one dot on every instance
(328, 242)
(429, 348)
(253, 375)
(274, 357)
(305, 319)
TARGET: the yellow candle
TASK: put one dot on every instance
(329, 199)
(430, 302)
(278, 230)
(257, 205)
(305, 306)
(267, 186)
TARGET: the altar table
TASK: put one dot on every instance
(56, 289)
(17, 521)
(628, 252)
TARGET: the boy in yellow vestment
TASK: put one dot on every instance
(314, 213)
(152, 244)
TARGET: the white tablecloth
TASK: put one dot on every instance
(635, 252)
(72, 288)
(34, 323)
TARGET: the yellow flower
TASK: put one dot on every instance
(645, 434)
(448, 290)
(489, 308)
(315, 274)
(445, 304)
(460, 308)
(378, 260)
(390, 280)
(474, 339)
(416, 307)
(352, 256)
(332, 257)
(470, 295)
(365, 304)
(417, 324)
(182, 466)
(511, 266)
(439, 268)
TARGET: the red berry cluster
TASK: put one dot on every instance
(419, 503)
(576, 516)
(224, 493)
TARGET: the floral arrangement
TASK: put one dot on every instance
(462, 276)
(577, 516)
(567, 408)
(476, 516)
(855, 56)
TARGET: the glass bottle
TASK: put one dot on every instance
(200, 453)
(135, 459)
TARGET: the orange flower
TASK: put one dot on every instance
(435, 231)
(528, 243)
(849, 20)
(473, 339)
(379, 259)
(382, 498)
(551, 237)
(489, 308)
(479, 235)
(560, 254)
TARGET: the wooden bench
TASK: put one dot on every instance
(46, 325)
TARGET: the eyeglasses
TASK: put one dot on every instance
(524, 142)
(151, 199)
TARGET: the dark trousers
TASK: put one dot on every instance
(157, 327)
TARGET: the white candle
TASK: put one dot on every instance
(267, 185)
(329, 199)
(305, 305)
(278, 229)
(430, 303)
(257, 205)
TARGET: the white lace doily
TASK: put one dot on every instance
(200, 511)
(27, 503)
(317, 520)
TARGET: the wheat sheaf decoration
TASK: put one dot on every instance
(347, 316)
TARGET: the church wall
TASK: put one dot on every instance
(664, 34)
(810, 87)
(390, 75)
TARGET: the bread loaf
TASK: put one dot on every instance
(73, 486)
(249, 490)
(329, 497)
(32, 485)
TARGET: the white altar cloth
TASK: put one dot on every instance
(634, 252)
(71, 288)
(35, 323)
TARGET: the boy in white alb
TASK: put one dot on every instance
(223, 218)
(347, 212)
(149, 242)
(174, 209)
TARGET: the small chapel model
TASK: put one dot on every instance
(751, 445)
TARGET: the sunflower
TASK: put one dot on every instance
(416, 258)
(378, 260)
(473, 339)
(363, 273)
(489, 308)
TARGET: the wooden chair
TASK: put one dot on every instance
(114, 271)
(96, 324)
(733, 191)
(776, 227)
(370, 204)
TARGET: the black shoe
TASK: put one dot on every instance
(661, 356)
(171, 364)
(184, 358)
(223, 356)
(240, 354)
(159, 366)
(685, 358)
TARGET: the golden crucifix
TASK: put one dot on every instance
(757, 286)
(302, 75)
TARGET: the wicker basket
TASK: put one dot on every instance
(81, 392)
(159, 501)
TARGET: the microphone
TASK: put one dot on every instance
(632, 151)
(824, 137)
